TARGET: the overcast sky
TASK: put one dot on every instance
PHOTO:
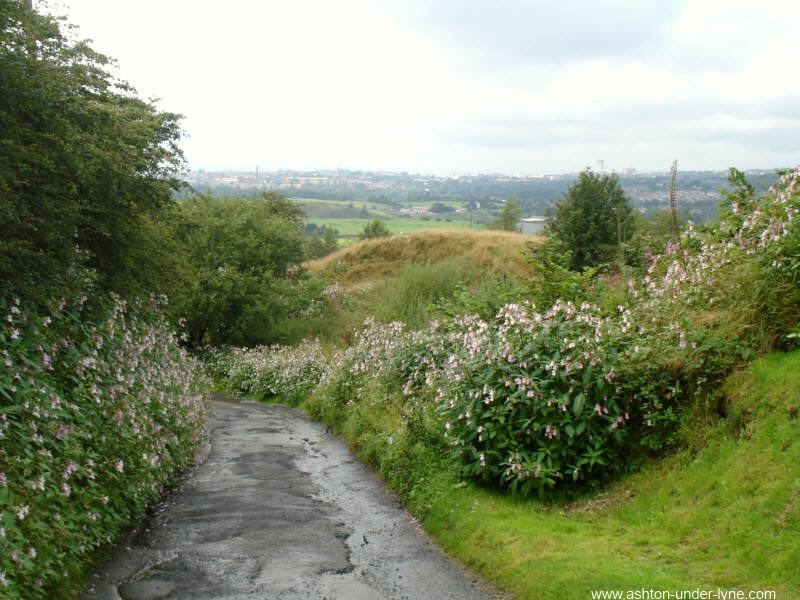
(464, 86)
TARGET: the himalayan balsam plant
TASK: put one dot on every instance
(533, 400)
(97, 415)
(270, 371)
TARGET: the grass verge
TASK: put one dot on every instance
(726, 515)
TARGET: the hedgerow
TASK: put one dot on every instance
(100, 410)
(269, 371)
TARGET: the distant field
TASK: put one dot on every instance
(352, 227)
(429, 203)
(347, 215)
(380, 205)
(336, 209)
(376, 206)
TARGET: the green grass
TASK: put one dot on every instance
(326, 209)
(429, 203)
(352, 227)
(726, 515)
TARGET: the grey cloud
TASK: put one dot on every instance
(509, 34)
(774, 139)
(672, 111)
(520, 32)
(660, 122)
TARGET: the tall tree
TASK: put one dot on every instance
(509, 217)
(242, 256)
(84, 163)
(593, 219)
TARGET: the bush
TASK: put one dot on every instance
(99, 410)
(374, 229)
(241, 275)
(268, 372)
(533, 400)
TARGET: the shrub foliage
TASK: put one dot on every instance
(82, 161)
(100, 409)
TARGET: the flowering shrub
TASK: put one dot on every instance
(700, 271)
(97, 415)
(715, 298)
(533, 399)
(528, 401)
(269, 371)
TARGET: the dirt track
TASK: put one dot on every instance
(279, 509)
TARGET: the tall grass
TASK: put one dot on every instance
(414, 278)
(409, 296)
(372, 260)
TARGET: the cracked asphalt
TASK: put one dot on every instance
(278, 508)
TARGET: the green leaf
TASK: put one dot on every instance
(577, 404)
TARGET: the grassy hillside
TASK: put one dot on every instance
(409, 277)
(373, 260)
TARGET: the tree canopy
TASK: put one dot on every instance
(241, 263)
(84, 163)
(592, 220)
(374, 229)
(509, 217)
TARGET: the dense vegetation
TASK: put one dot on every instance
(84, 165)
(241, 280)
(571, 385)
(100, 408)
(448, 359)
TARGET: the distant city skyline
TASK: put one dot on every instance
(467, 87)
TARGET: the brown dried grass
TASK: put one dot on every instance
(374, 260)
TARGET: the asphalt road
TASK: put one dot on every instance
(279, 509)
